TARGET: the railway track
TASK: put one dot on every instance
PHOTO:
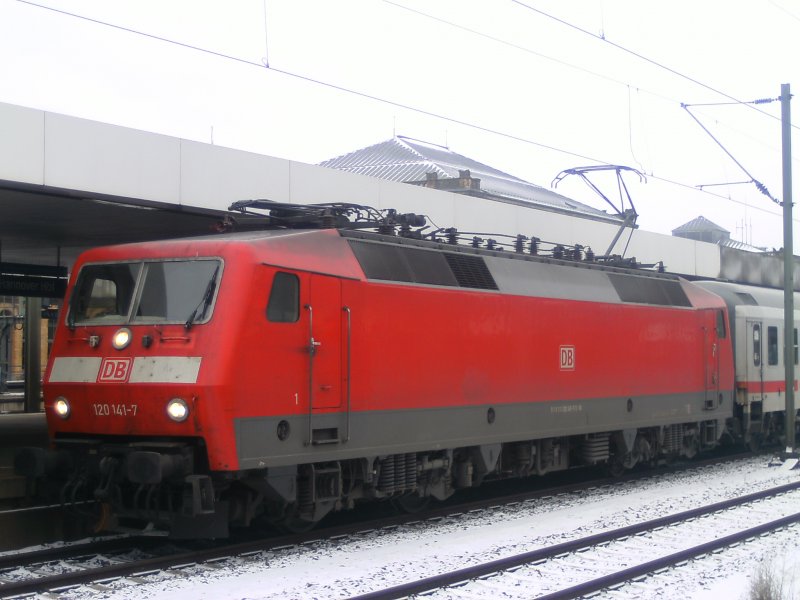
(569, 570)
(69, 566)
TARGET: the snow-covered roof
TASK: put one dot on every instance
(699, 225)
(407, 160)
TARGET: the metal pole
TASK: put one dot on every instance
(788, 266)
(33, 358)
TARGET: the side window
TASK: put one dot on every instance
(757, 345)
(795, 346)
(284, 299)
(721, 333)
(772, 345)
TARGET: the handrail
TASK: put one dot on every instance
(312, 351)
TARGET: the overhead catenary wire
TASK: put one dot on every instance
(759, 186)
(584, 70)
(271, 68)
(519, 47)
(642, 57)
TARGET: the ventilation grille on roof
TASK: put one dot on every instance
(471, 271)
(747, 298)
(644, 290)
(414, 265)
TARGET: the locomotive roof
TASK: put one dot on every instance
(300, 236)
(393, 259)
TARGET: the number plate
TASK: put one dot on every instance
(113, 410)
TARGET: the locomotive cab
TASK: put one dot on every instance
(124, 394)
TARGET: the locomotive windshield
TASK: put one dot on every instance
(165, 291)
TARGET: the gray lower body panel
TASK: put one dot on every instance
(376, 433)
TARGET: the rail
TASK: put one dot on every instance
(504, 564)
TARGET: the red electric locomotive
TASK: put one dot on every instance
(285, 373)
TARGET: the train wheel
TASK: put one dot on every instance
(411, 503)
(754, 442)
(102, 517)
(615, 467)
(295, 524)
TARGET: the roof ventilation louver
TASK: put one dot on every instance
(642, 290)
(471, 271)
(747, 298)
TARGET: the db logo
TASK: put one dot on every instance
(567, 358)
(115, 370)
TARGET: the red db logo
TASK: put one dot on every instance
(115, 370)
(567, 358)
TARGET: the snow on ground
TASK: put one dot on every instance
(375, 560)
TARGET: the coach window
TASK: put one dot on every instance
(772, 345)
(284, 299)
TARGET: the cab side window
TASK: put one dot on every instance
(284, 298)
(721, 332)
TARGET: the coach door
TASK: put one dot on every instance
(324, 315)
(755, 361)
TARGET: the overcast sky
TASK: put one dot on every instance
(530, 87)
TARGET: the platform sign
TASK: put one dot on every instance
(32, 281)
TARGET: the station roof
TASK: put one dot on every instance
(699, 224)
(407, 160)
(48, 226)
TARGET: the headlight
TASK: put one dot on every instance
(61, 407)
(121, 338)
(177, 409)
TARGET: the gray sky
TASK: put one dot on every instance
(497, 80)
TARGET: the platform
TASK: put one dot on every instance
(18, 430)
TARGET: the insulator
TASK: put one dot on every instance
(519, 245)
(661, 267)
(558, 251)
(491, 244)
(452, 235)
(534, 249)
(577, 252)
(589, 255)
(412, 219)
(476, 242)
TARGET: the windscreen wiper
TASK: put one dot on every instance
(205, 301)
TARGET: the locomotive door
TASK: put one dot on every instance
(324, 316)
(755, 363)
(711, 359)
